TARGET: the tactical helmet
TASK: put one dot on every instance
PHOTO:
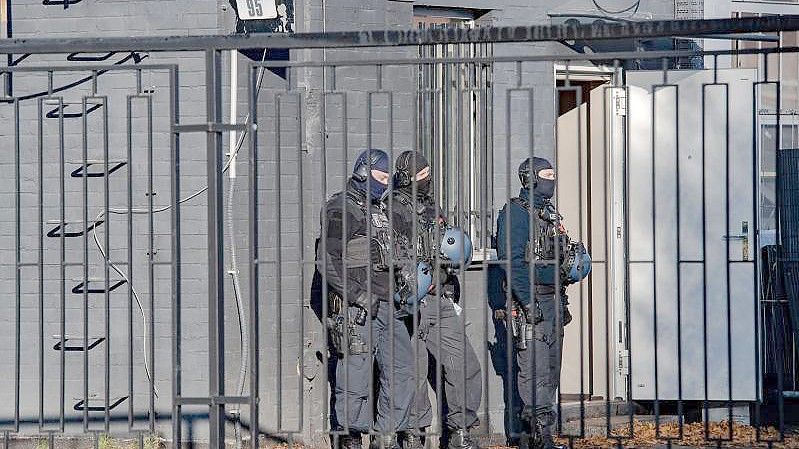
(407, 299)
(456, 247)
(424, 279)
(577, 265)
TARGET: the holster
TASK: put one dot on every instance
(523, 321)
(342, 333)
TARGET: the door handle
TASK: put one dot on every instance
(743, 237)
(735, 237)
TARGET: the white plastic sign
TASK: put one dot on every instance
(256, 9)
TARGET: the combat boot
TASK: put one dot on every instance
(461, 439)
(384, 441)
(351, 441)
(528, 441)
(410, 440)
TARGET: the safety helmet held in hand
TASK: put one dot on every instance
(577, 265)
(406, 299)
(456, 247)
(424, 279)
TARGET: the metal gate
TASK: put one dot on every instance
(153, 294)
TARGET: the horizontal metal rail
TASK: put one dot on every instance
(609, 56)
(392, 38)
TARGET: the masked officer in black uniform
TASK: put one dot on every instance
(530, 234)
(440, 329)
(359, 249)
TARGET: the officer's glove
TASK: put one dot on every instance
(567, 316)
(534, 313)
(405, 296)
(412, 287)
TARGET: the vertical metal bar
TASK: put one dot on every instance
(216, 293)
(755, 215)
(705, 410)
(107, 264)
(41, 262)
(254, 269)
(678, 193)
(780, 371)
(151, 258)
(626, 225)
(63, 256)
(322, 259)
(606, 161)
(129, 182)
(653, 186)
(369, 236)
(17, 268)
(510, 410)
(174, 119)
(464, 212)
(488, 211)
(728, 270)
(441, 112)
(278, 263)
(85, 198)
(344, 265)
(560, 306)
(301, 244)
(392, 159)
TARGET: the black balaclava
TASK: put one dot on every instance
(362, 178)
(409, 164)
(542, 188)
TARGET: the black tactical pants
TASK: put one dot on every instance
(443, 337)
(393, 354)
(539, 364)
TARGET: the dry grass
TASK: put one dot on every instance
(644, 435)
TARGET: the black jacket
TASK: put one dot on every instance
(346, 229)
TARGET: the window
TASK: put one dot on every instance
(768, 165)
(782, 67)
(455, 123)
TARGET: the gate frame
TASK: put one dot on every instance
(214, 127)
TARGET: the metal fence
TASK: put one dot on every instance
(129, 307)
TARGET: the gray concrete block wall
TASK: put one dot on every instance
(99, 19)
(296, 209)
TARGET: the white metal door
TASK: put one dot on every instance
(690, 198)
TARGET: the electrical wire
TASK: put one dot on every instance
(634, 8)
(236, 287)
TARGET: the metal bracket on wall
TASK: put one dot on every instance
(58, 111)
(82, 170)
(113, 403)
(90, 57)
(56, 231)
(113, 285)
(91, 343)
(65, 3)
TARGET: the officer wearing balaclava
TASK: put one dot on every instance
(532, 241)
(440, 328)
(357, 245)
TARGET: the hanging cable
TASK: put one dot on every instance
(634, 8)
(236, 287)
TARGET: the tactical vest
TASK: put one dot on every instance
(549, 233)
(429, 229)
(394, 247)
